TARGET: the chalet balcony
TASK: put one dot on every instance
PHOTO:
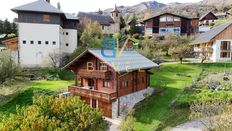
(90, 93)
(94, 74)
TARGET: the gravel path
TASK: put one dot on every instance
(190, 126)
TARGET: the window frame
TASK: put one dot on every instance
(46, 18)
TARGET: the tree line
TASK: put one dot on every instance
(7, 27)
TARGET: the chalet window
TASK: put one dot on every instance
(163, 19)
(24, 42)
(46, 18)
(103, 27)
(225, 45)
(163, 30)
(67, 44)
(106, 83)
(169, 18)
(103, 67)
(54, 43)
(225, 54)
(32, 42)
(116, 14)
(126, 84)
(176, 30)
(66, 33)
(46, 42)
(39, 42)
(176, 19)
(225, 49)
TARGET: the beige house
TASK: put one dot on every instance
(217, 43)
(110, 24)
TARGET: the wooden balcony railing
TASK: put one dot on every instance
(81, 91)
(94, 74)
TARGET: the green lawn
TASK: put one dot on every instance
(25, 95)
(156, 113)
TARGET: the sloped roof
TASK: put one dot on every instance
(102, 19)
(209, 35)
(70, 16)
(203, 16)
(129, 60)
(166, 14)
(38, 6)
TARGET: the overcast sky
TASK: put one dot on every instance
(74, 6)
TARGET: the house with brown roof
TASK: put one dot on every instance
(110, 24)
(113, 85)
(207, 18)
(171, 23)
(219, 39)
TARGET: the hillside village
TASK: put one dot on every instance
(151, 66)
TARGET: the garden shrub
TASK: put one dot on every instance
(215, 115)
(51, 113)
(128, 123)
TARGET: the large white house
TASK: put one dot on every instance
(43, 30)
(216, 43)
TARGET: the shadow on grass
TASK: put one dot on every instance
(155, 107)
(23, 98)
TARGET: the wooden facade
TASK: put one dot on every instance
(99, 85)
(186, 25)
(11, 44)
(208, 18)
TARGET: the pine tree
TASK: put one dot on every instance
(7, 27)
(133, 28)
(14, 28)
(122, 23)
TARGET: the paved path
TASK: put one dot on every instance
(114, 123)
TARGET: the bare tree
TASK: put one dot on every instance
(205, 53)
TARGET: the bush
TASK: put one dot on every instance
(128, 123)
(215, 115)
(50, 113)
(8, 68)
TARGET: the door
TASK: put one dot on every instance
(90, 83)
(94, 103)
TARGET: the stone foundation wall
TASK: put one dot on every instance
(127, 102)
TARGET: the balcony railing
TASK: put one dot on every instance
(82, 91)
(94, 74)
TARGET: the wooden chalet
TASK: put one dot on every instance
(101, 81)
(171, 23)
(208, 18)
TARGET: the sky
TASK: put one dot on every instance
(74, 6)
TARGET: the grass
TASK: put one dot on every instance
(156, 112)
(24, 96)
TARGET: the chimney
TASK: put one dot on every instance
(48, 1)
(58, 6)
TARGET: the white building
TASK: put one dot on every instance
(219, 39)
(43, 30)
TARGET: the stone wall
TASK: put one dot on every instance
(127, 102)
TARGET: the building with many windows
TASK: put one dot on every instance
(217, 43)
(170, 23)
(43, 30)
(113, 85)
